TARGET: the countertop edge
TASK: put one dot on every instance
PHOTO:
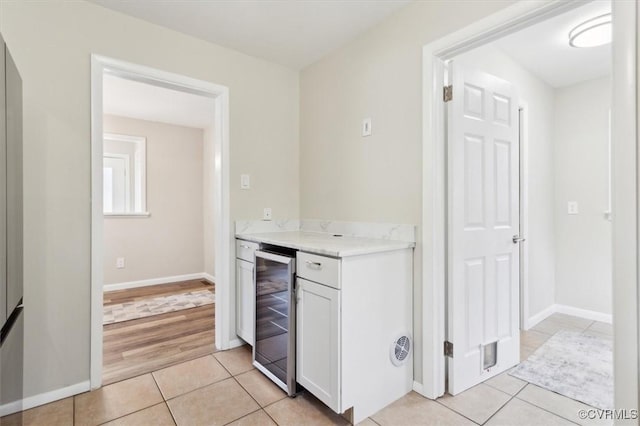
(387, 245)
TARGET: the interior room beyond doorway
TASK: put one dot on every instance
(565, 187)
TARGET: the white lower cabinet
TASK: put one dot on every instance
(318, 341)
(245, 296)
(349, 312)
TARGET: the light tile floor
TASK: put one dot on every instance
(224, 388)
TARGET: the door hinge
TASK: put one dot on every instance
(447, 93)
(448, 349)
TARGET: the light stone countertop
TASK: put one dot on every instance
(326, 244)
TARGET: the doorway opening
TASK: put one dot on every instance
(160, 220)
(436, 55)
(159, 279)
(562, 264)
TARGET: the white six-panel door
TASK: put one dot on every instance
(483, 204)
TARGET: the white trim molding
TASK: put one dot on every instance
(139, 197)
(44, 398)
(625, 218)
(157, 281)
(584, 313)
(536, 319)
(224, 235)
(237, 342)
(140, 215)
(567, 310)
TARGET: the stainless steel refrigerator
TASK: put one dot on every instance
(11, 235)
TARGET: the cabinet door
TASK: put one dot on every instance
(245, 300)
(318, 341)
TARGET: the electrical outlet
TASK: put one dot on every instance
(266, 215)
(572, 207)
(120, 262)
(366, 127)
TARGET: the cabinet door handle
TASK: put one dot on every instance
(245, 246)
(314, 265)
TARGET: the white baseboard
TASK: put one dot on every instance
(44, 398)
(236, 343)
(209, 277)
(155, 281)
(567, 310)
(539, 317)
(584, 313)
(418, 388)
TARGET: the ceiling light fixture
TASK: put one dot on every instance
(592, 32)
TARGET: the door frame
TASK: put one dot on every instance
(223, 237)
(523, 193)
(434, 186)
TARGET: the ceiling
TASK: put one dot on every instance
(146, 102)
(294, 33)
(544, 48)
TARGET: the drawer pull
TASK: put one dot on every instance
(314, 265)
(245, 246)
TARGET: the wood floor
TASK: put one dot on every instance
(140, 346)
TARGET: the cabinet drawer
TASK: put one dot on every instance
(245, 250)
(321, 269)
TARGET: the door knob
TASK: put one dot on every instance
(518, 239)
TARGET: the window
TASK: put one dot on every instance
(124, 175)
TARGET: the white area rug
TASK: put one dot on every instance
(575, 365)
(156, 305)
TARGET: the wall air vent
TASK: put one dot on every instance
(400, 350)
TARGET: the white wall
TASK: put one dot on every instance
(170, 241)
(51, 43)
(378, 75)
(539, 98)
(583, 241)
(208, 201)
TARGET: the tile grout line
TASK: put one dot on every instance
(454, 411)
(245, 415)
(231, 376)
(247, 391)
(511, 397)
(468, 418)
(128, 414)
(546, 410)
(197, 389)
(261, 408)
(371, 418)
(135, 411)
(164, 400)
(542, 408)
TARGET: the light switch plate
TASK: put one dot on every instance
(366, 127)
(572, 207)
(245, 182)
(266, 215)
